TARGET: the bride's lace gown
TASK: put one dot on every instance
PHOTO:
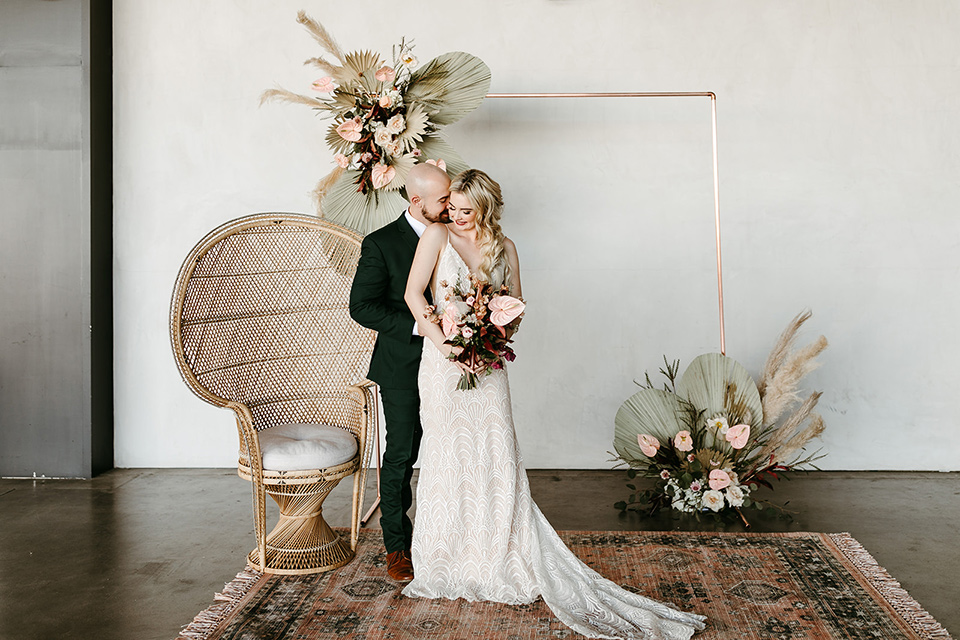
(479, 535)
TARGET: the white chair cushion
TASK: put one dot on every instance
(296, 447)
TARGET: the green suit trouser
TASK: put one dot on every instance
(401, 408)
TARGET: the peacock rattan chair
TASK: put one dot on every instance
(260, 324)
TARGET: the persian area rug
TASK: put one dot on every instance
(766, 586)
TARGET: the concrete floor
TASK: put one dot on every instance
(135, 554)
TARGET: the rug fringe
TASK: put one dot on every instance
(206, 622)
(902, 602)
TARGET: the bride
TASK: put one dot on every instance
(478, 534)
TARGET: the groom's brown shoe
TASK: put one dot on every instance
(399, 566)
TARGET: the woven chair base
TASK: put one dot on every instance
(302, 542)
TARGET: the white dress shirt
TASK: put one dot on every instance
(419, 228)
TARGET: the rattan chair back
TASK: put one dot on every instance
(260, 316)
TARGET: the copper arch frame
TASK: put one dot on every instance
(716, 173)
(716, 209)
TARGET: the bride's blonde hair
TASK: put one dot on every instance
(483, 192)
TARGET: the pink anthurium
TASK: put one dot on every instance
(648, 444)
(504, 309)
(449, 320)
(682, 441)
(382, 175)
(738, 435)
(350, 130)
(719, 479)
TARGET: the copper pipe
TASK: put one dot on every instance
(376, 436)
(716, 172)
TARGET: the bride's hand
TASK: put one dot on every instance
(450, 351)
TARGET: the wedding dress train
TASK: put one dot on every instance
(479, 535)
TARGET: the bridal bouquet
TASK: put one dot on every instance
(387, 116)
(711, 438)
(480, 318)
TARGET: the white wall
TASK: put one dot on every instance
(839, 144)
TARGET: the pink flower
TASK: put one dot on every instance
(350, 130)
(324, 85)
(467, 333)
(648, 444)
(342, 160)
(386, 101)
(470, 300)
(417, 153)
(738, 435)
(382, 175)
(696, 485)
(438, 163)
(385, 74)
(691, 457)
(503, 309)
(683, 441)
(449, 319)
(366, 157)
(665, 474)
(719, 479)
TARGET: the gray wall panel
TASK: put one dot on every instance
(45, 262)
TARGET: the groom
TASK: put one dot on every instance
(376, 302)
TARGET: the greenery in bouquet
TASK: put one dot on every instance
(480, 319)
(709, 439)
(387, 117)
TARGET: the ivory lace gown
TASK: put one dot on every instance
(479, 535)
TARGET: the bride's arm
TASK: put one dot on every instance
(514, 261)
(424, 264)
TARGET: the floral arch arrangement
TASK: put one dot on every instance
(386, 119)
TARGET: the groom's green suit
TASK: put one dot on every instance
(376, 302)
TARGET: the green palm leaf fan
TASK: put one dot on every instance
(719, 385)
(654, 412)
(450, 86)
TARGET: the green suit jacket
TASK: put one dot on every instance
(376, 302)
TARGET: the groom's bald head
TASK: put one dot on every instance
(428, 189)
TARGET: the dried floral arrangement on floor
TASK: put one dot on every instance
(713, 436)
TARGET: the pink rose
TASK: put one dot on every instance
(503, 309)
(648, 444)
(324, 85)
(719, 479)
(449, 319)
(351, 130)
(683, 441)
(696, 485)
(665, 474)
(385, 74)
(467, 333)
(382, 175)
(738, 435)
(366, 157)
(385, 101)
(342, 160)
(438, 163)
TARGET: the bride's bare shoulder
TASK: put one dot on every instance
(434, 234)
(509, 246)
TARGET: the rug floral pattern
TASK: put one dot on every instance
(750, 586)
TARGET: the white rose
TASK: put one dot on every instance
(383, 137)
(713, 500)
(396, 124)
(393, 148)
(734, 496)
